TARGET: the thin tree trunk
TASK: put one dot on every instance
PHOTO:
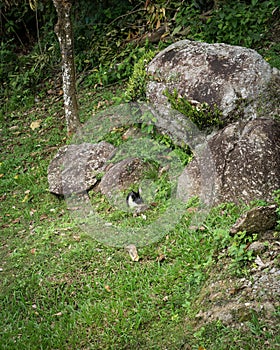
(64, 32)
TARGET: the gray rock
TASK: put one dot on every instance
(257, 247)
(238, 164)
(235, 79)
(258, 219)
(75, 167)
(120, 177)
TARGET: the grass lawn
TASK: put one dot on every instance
(61, 289)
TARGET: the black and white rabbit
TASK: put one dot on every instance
(134, 199)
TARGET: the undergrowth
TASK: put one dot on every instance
(108, 43)
(243, 23)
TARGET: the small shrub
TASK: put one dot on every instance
(239, 253)
(136, 87)
(203, 116)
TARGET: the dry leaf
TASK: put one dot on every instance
(108, 288)
(58, 314)
(259, 262)
(43, 217)
(5, 226)
(192, 210)
(32, 211)
(36, 124)
(160, 258)
(132, 251)
(158, 24)
(25, 199)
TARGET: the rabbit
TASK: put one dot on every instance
(134, 199)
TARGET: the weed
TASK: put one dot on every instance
(136, 86)
(239, 253)
(202, 115)
(115, 137)
(272, 54)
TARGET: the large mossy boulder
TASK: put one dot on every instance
(235, 80)
(239, 164)
(240, 160)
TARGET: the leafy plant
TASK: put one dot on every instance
(272, 54)
(136, 86)
(148, 127)
(239, 252)
(115, 137)
(188, 22)
(232, 22)
(202, 115)
(238, 23)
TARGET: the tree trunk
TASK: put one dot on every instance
(64, 32)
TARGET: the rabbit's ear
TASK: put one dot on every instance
(139, 190)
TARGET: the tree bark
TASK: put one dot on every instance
(64, 32)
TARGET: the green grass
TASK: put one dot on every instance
(60, 289)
